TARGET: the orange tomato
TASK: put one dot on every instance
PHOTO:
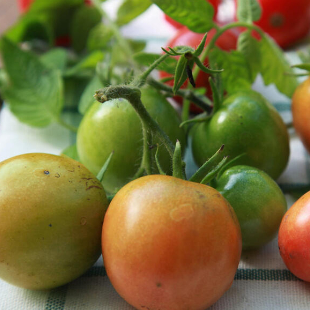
(170, 244)
(301, 112)
(294, 238)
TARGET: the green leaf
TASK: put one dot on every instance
(275, 68)
(130, 9)
(236, 75)
(55, 58)
(86, 65)
(180, 74)
(305, 66)
(197, 15)
(35, 92)
(32, 26)
(84, 20)
(87, 98)
(98, 37)
(146, 59)
(39, 5)
(250, 48)
(248, 11)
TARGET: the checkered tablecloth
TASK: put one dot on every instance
(262, 281)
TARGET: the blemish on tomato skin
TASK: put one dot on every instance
(92, 186)
(182, 212)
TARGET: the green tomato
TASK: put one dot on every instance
(245, 123)
(114, 126)
(257, 201)
(51, 213)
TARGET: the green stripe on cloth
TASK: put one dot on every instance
(57, 299)
(265, 275)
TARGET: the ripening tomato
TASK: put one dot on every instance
(286, 21)
(215, 4)
(170, 244)
(294, 238)
(51, 214)
(301, 112)
(227, 41)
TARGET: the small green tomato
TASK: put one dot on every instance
(257, 200)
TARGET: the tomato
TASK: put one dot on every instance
(227, 41)
(170, 244)
(215, 4)
(245, 123)
(257, 200)
(115, 126)
(301, 112)
(51, 213)
(294, 238)
(286, 21)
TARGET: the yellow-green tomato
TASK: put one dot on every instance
(258, 203)
(51, 215)
(114, 126)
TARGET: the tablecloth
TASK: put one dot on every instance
(262, 280)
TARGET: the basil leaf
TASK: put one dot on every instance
(130, 9)
(35, 91)
(248, 11)
(236, 74)
(197, 15)
(275, 68)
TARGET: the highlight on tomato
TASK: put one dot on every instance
(294, 238)
(169, 243)
(227, 41)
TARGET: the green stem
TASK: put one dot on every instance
(141, 79)
(125, 47)
(61, 122)
(219, 32)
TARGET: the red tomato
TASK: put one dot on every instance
(227, 41)
(170, 244)
(215, 4)
(294, 238)
(301, 112)
(23, 5)
(286, 21)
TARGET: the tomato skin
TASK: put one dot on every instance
(257, 200)
(294, 238)
(301, 112)
(51, 213)
(170, 244)
(285, 21)
(215, 4)
(245, 123)
(227, 41)
(115, 127)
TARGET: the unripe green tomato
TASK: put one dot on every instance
(51, 214)
(245, 123)
(257, 201)
(114, 126)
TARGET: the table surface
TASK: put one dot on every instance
(262, 280)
